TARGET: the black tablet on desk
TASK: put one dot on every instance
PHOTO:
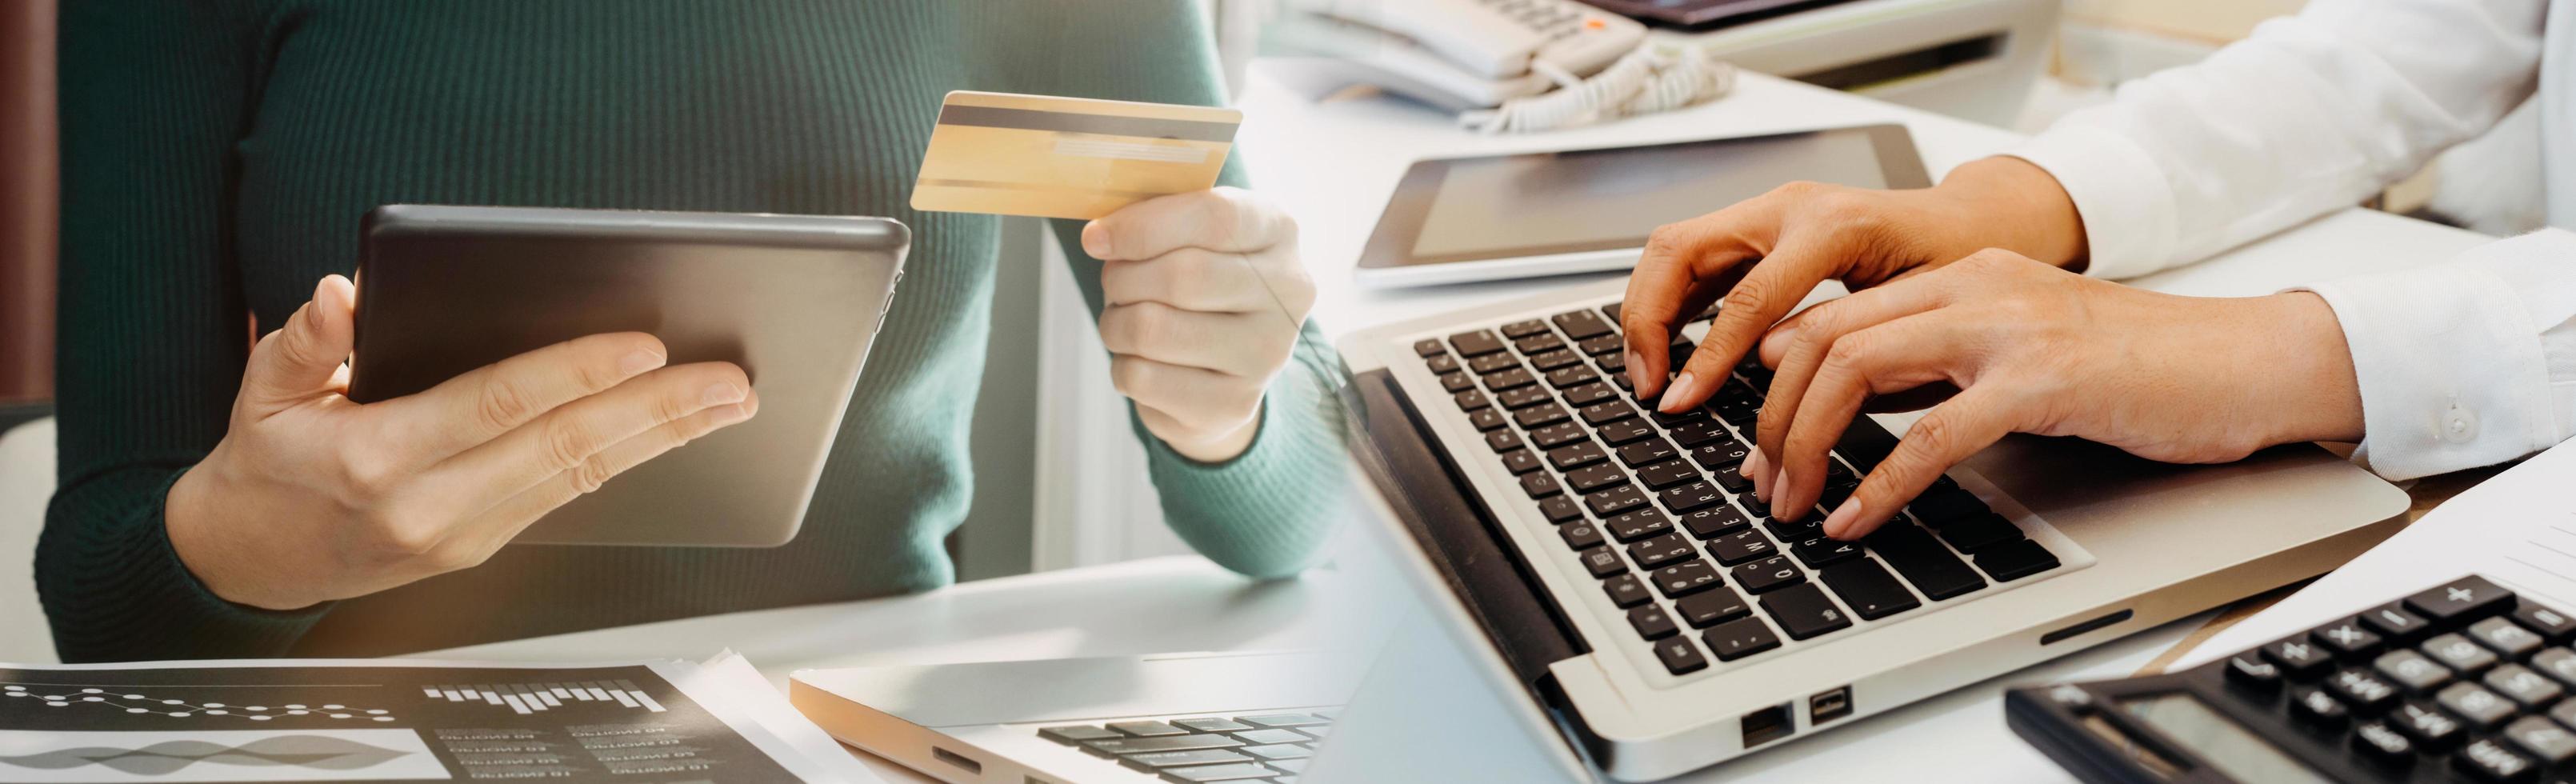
(1454, 220)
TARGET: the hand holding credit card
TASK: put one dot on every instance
(1051, 157)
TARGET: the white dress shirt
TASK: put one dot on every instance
(2462, 364)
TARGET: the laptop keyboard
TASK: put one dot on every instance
(1652, 505)
(1267, 747)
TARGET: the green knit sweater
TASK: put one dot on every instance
(218, 154)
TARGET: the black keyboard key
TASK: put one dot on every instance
(1441, 363)
(1651, 623)
(1728, 477)
(2363, 691)
(1796, 530)
(1538, 344)
(1661, 551)
(1647, 452)
(1270, 735)
(1476, 344)
(2394, 624)
(1146, 729)
(1611, 310)
(1110, 748)
(1493, 363)
(1523, 397)
(1601, 345)
(1804, 612)
(1560, 509)
(1938, 508)
(1590, 394)
(1977, 533)
(1520, 461)
(1603, 413)
(2460, 601)
(1699, 433)
(1768, 574)
(1635, 524)
(2015, 559)
(1740, 638)
(2485, 759)
(1568, 458)
(1521, 329)
(1540, 485)
(2551, 625)
(1509, 379)
(1427, 347)
(1616, 364)
(1867, 589)
(1602, 562)
(1212, 725)
(1581, 324)
(1199, 774)
(1739, 547)
(2301, 659)
(1820, 552)
(1625, 591)
(1470, 400)
(1568, 377)
(1582, 535)
(1678, 419)
(1486, 419)
(1455, 381)
(1592, 478)
(1157, 760)
(2347, 640)
(1663, 475)
(1609, 503)
(1922, 561)
(1691, 497)
(1684, 579)
(1626, 431)
(1539, 416)
(1711, 607)
(1076, 734)
(1679, 656)
(1714, 521)
(1833, 496)
(1503, 441)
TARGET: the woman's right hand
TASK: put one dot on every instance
(1763, 255)
(312, 497)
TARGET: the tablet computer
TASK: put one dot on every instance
(795, 300)
(1454, 220)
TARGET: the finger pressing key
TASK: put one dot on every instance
(1947, 434)
(1766, 294)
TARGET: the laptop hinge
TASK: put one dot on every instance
(1465, 543)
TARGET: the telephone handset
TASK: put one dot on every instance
(1455, 54)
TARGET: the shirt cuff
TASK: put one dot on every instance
(2451, 359)
(2119, 193)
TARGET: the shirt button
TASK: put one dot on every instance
(2459, 426)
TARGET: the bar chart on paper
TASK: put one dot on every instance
(527, 698)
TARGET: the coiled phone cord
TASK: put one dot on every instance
(1651, 79)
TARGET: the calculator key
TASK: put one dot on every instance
(1867, 589)
(1602, 562)
(1819, 552)
(2394, 624)
(2347, 639)
(2362, 690)
(1560, 509)
(2015, 559)
(2480, 708)
(2383, 745)
(2301, 659)
(1595, 477)
(1660, 551)
(1637, 524)
(1539, 485)
(1611, 502)
(1740, 547)
(1740, 638)
(1625, 591)
(2487, 760)
(2411, 671)
(2519, 683)
(2458, 653)
(2557, 663)
(2565, 713)
(1715, 521)
(1803, 611)
(1651, 622)
(1520, 461)
(2551, 625)
(2319, 708)
(2429, 727)
(1684, 579)
(2248, 672)
(1582, 535)
(2505, 637)
(2542, 739)
(2462, 600)
(1711, 607)
(1768, 574)
(1690, 497)
(1680, 657)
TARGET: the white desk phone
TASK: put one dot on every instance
(1454, 54)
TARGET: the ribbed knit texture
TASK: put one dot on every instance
(218, 155)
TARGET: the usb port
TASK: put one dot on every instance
(1829, 705)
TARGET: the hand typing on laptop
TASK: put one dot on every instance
(1202, 298)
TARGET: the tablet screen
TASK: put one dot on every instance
(1466, 209)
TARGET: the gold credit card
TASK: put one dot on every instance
(1004, 154)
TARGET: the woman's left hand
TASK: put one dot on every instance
(2016, 345)
(1203, 295)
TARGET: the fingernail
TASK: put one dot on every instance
(733, 414)
(1637, 372)
(639, 362)
(1780, 484)
(1840, 522)
(720, 393)
(1684, 386)
(1095, 240)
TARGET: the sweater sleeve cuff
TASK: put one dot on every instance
(2119, 193)
(128, 596)
(2450, 363)
(1258, 513)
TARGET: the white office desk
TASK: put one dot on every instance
(1333, 163)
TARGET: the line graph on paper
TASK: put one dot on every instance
(151, 701)
(217, 755)
(529, 698)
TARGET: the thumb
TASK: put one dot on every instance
(305, 358)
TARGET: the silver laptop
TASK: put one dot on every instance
(1631, 589)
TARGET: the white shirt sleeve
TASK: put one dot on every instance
(2463, 364)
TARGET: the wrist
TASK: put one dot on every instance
(1216, 447)
(212, 558)
(2013, 204)
(2313, 392)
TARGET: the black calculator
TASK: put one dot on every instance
(2463, 681)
